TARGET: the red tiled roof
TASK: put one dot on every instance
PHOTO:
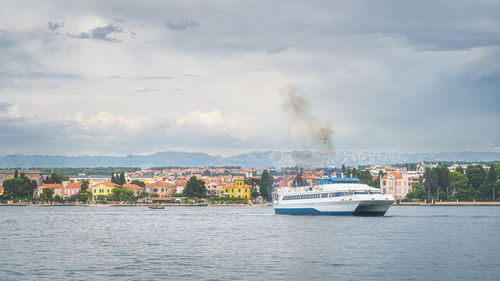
(396, 175)
(180, 183)
(132, 186)
(52, 185)
(74, 185)
(159, 183)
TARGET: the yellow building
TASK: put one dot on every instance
(102, 188)
(237, 189)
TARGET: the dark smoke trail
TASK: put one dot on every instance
(313, 135)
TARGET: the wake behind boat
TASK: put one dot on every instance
(335, 196)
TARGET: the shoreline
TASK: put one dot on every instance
(464, 203)
(133, 205)
(396, 204)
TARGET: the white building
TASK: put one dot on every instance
(396, 184)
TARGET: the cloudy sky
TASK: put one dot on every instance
(120, 77)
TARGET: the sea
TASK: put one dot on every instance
(247, 243)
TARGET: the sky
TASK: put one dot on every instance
(137, 77)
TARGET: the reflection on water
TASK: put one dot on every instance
(227, 243)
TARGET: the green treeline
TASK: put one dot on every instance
(18, 188)
(473, 183)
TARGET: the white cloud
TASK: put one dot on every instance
(8, 111)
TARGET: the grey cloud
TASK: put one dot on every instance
(148, 90)
(4, 106)
(53, 26)
(102, 33)
(182, 24)
(276, 50)
(139, 77)
(40, 75)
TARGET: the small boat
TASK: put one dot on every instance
(156, 207)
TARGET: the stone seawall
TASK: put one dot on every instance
(455, 203)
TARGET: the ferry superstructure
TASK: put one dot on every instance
(339, 196)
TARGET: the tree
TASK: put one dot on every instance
(266, 185)
(139, 183)
(58, 199)
(73, 198)
(195, 188)
(418, 192)
(16, 175)
(443, 180)
(122, 178)
(476, 176)
(431, 181)
(491, 180)
(85, 185)
(21, 188)
(458, 185)
(83, 196)
(47, 194)
(57, 178)
(122, 194)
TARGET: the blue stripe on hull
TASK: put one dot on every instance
(309, 211)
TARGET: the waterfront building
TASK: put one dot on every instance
(237, 189)
(102, 189)
(57, 187)
(135, 188)
(30, 174)
(213, 188)
(180, 185)
(71, 189)
(161, 188)
(396, 184)
(91, 179)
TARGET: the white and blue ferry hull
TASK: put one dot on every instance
(345, 208)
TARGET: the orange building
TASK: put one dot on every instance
(161, 188)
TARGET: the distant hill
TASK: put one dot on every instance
(248, 160)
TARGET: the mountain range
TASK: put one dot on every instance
(261, 159)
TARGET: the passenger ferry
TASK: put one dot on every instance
(333, 196)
